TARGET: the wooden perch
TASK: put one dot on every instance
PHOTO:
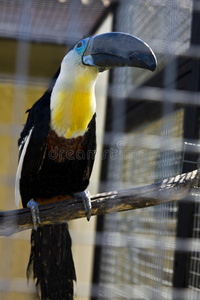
(171, 189)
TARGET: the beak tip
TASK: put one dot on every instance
(153, 66)
(153, 63)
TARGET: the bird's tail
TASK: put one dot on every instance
(51, 262)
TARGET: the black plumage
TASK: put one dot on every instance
(51, 262)
(55, 170)
(62, 170)
(53, 167)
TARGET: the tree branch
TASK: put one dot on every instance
(171, 189)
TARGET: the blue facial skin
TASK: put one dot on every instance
(81, 46)
(86, 60)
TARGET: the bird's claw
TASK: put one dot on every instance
(34, 212)
(85, 196)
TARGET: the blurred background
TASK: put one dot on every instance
(147, 130)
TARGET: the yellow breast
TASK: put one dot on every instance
(74, 108)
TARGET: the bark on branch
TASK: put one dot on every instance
(171, 189)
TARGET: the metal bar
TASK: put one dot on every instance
(104, 177)
(191, 128)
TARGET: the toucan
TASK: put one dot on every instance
(57, 149)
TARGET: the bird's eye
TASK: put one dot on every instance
(79, 45)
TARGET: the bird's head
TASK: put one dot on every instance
(72, 100)
(102, 52)
(111, 50)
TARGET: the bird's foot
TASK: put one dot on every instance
(85, 196)
(34, 212)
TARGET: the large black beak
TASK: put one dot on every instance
(117, 49)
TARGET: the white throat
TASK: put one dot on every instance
(73, 101)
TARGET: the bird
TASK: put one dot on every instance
(60, 126)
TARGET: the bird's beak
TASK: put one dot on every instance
(117, 49)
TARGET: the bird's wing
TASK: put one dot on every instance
(32, 142)
(89, 142)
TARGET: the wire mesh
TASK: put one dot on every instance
(194, 267)
(137, 247)
(148, 270)
(49, 21)
(165, 26)
(151, 267)
(34, 37)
